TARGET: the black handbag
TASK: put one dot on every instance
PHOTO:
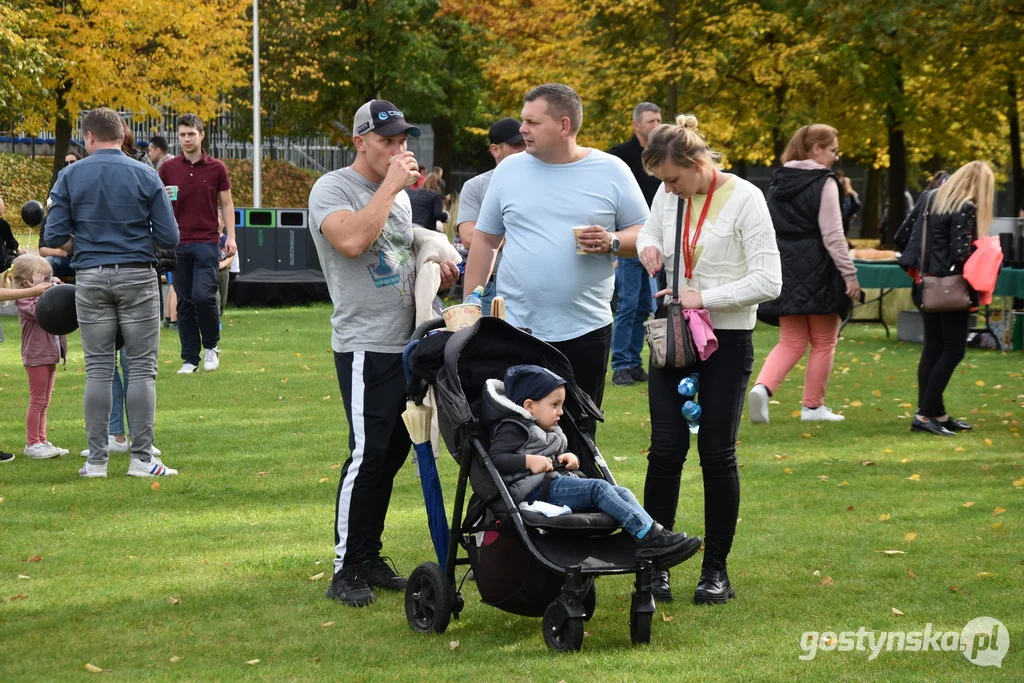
(669, 337)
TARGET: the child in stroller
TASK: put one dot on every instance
(528, 448)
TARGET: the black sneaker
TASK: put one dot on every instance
(349, 587)
(623, 378)
(665, 548)
(6, 457)
(638, 374)
(380, 574)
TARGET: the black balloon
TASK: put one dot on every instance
(56, 312)
(32, 213)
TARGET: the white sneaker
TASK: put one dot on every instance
(758, 403)
(820, 414)
(153, 450)
(112, 447)
(64, 452)
(187, 369)
(211, 359)
(93, 471)
(42, 451)
(153, 468)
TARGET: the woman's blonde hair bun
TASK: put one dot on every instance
(688, 121)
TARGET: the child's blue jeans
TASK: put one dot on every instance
(581, 494)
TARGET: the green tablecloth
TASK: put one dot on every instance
(891, 276)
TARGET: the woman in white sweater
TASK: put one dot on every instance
(729, 263)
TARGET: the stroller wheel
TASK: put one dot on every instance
(640, 627)
(590, 601)
(428, 599)
(562, 632)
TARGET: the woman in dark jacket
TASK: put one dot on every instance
(428, 204)
(818, 276)
(956, 215)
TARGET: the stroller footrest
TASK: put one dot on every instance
(587, 522)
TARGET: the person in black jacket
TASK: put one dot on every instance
(9, 249)
(428, 204)
(956, 215)
(818, 275)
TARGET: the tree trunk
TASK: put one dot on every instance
(671, 88)
(444, 141)
(741, 168)
(62, 131)
(871, 212)
(1018, 172)
(896, 180)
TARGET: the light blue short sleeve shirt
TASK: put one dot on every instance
(547, 286)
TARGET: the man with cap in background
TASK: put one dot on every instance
(505, 140)
(361, 223)
(631, 280)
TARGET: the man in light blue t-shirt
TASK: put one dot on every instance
(534, 201)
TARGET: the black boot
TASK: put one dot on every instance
(714, 587)
(662, 587)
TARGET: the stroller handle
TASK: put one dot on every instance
(428, 326)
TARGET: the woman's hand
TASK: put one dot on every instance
(853, 290)
(37, 289)
(538, 464)
(689, 298)
(570, 461)
(650, 258)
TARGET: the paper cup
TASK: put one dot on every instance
(460, 316)
(576, 232)
(172, 192)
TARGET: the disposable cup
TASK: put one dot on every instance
(172, 192)
(576, 232)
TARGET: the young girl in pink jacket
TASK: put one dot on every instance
(40, 354)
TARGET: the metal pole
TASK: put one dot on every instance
(257, 145)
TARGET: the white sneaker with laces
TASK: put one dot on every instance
(93, 471)
(187, 369)
(211, 359)
(153, 468)
(112, 447)
(758, 402)
(42, 451)
(63, 451)
(820, 414)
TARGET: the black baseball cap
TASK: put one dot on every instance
(383, 118)
(505, 130)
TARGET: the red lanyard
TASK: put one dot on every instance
(690, 245)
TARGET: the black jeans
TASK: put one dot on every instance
(723, 388)
(945, 343)
(195, 282)
(588, 356)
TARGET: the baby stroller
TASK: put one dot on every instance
(523, 562)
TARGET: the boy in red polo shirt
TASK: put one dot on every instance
(196, 182)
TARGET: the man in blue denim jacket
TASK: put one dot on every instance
(114, 208)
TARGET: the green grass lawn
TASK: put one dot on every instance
(218, 567)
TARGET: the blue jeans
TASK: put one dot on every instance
(61, 265)
(490, 291)
(117, 388)
(195, 282)
(581, 494)
(634, 307)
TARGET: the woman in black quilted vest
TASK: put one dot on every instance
(957, 213)
(818, 275)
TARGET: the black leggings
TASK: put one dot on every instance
(945, 343)
(723, 387)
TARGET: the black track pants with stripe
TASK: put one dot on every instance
(373, 391)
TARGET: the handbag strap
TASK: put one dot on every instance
(924, 236)
(679, 247)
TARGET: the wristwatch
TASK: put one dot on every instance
(615, 245)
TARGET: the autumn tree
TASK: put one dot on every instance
(23, 62)
(137, 55)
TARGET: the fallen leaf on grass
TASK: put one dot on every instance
(618, 458)
(155, 486)
(955, 588)
(327, 623)
(336, 466)
(887, 450)
(34, 558)
(1017, 484)
(844, 483)
(666, 618)
(795, 413)
(884, 516)
(773, 402)
(816, 573)
(998, 511)
(806, 435)
(904, 461)
(969, 504)
(175, 659)
(1, 500)
(960, 449)
(19, 596)
(260, 474)
(850, 508)
(877, 393)
(783, 457)
(896, 612)
(452, 645)
(910, 537)
(911, 574)
(997, 526)
(827, 581)
(979, 383)
(891, 552)
(253, 661)
(823, 477)
(914, 477)
(985, 468)
(982, 575)
(866, 463)
(788, 471)
(92, 668)
(988, 442)
(175, 601)
(323, 479)
(856, 404)
(22, 577)
(316, 577)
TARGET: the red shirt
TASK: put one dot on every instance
(198, 187)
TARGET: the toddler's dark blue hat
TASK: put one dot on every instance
(530, 381)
